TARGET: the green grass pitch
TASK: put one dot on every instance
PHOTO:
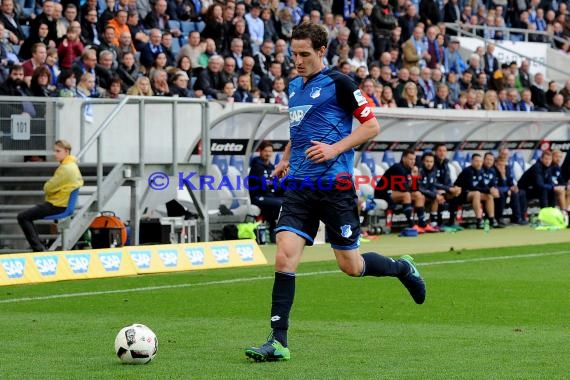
(489, 314)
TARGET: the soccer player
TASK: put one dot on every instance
(428, 187)
(443, 180)
(490, 179)
(322, 105)
(537, 181)
(475, 191)
(398, 187)
(560, 182)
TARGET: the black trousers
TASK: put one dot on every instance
(26, 222)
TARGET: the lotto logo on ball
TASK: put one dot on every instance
(46, 265)
(14, 268)
(78, 263)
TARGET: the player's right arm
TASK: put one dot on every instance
(282, 168)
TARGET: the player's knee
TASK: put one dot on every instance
(351, 269)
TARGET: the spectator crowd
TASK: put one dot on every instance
(398, 51)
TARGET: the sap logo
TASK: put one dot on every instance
(141, 259)
(296, 114)
(14, 268)
(78, 263)
(47, 265)
(221, 254)
(245, 252)
(169, 258)
(111, 261)
(195, 255)
(360, 99)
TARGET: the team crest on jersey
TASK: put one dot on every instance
(296, 114)
(360, 99)
(345, 231)
(315, 92)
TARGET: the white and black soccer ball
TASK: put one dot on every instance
(136, 344)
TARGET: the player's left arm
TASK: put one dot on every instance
(359, 108)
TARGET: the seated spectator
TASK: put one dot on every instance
(151, 49)
(474, 191)
(409, 98)
(526, 104)
(90, 33)
(228, 92)
(441, 100)
(184, 64)
(434, 197)
(66, 87)
(57, 189)
(398, 187)
(114, 90)
(52, 65)
(509, 190)
(42, 37)
(549, 94)
(39, 54)
(158, 19)
(278, 93)
(193, 49)
(210, 80)
(387, 98)
(41, 82)
(537, 181)
(9, 20)
(452, 59)
(159, 83)
(141, 87)
(490, 101)
(166, 43)
(243, 92)
(85, 86)
(140, 38)
(179, 85)
(15, 84)
(367, 89)
(557, 104)
(128, 71)
(210, 51)
(265, 195)
(538, 91)
(125, 44)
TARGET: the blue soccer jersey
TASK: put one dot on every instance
(321, 110)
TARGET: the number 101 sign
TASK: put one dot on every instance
(21, 127)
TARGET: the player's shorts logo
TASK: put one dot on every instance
(345, 231)
(315, 92)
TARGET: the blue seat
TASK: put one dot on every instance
(368, 160)
(278, 158)
(173, 24)
(237, 162)
(222, 162)
(186, 27)
(70, 207)
(388, 158)
(467, 160)
(459, 156)
(518, 157)
(537, 154)
(175, 46)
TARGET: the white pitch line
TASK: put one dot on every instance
(260, 278)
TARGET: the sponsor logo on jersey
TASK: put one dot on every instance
(360, 99)
(315, 92)
(296, 114)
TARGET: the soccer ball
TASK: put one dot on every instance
(136, 344)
